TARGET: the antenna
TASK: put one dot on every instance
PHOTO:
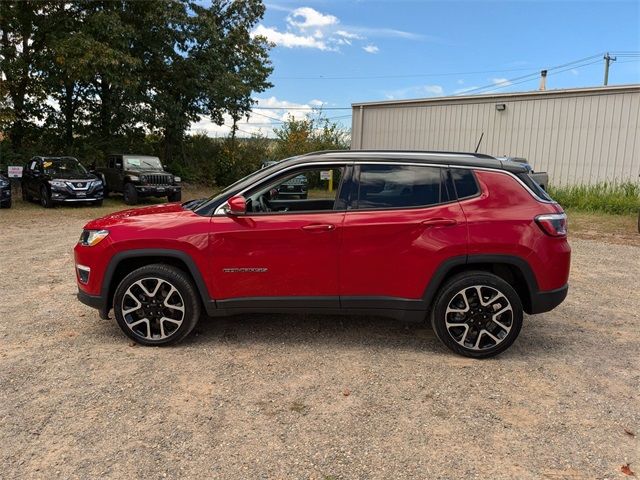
(479, 142)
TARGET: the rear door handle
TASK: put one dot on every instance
(439, 222)
(319, 227)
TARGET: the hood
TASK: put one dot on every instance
(72, 176)
(153, 215)
(146, 172)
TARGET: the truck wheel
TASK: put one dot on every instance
(174, 197)
(45, 197)
(477, 314)
(130, 194)
(156, 305)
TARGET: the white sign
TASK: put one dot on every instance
(14, 172)
(325, 174)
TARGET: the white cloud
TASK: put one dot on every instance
(290, 40)
(416, 91)
(306, 27)
(271, 114)
(464, 90)
(307, 17)
(503, 82)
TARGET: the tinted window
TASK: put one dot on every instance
(465, 182)
(400, 186)
(533, 185)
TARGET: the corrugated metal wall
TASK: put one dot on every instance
(580, 136)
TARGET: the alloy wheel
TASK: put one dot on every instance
(153, 308)
(479, 317)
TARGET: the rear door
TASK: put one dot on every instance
(283, 252)
(401, 228)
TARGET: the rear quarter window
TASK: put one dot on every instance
(464, 182)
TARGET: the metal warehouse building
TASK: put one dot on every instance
(579, 136)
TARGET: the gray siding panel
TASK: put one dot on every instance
(578, 138)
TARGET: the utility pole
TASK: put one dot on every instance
(607, 61)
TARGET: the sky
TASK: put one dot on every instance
(331, 53)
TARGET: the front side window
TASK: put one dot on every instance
(312, 189)
(400, 186)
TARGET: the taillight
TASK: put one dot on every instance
(554, 224)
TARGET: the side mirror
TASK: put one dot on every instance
(236, 205)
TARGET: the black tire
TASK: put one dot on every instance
(188, 297)
(98, 203)
(130, 194)
(174, 197)
(45, 197)
(25, 196)
(477, 316)
(6, 204)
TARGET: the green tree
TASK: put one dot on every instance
(24, 35)
(313, 133)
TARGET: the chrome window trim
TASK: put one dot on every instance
(220, 212)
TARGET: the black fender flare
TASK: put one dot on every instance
(445, 268)
(208, 303)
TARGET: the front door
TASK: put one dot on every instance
(284, 250)
(402, 227)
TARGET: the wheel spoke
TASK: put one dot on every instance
(490, 312)
(145, 321)
(154, 309)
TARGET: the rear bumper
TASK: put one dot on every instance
(546, 301)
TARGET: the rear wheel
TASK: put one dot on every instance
(477, 314)
(130, 194)
(45, 197)
(156, 305)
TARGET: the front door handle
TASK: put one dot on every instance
(319, 227)
(439, 222)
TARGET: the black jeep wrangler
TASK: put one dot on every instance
(138, 176)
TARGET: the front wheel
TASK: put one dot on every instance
(130, 194)
(156, 305)
(45, 198)
(174, 196)
(477, 314)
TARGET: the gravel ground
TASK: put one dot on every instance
(268, 396)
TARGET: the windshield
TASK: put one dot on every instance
(53, 166)
(142, 163)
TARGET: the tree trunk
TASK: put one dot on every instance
(68, 112)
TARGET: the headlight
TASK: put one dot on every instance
(134, 178)
(97, 183)
(89, 238)
(57, 183)
(4, 183)
(177, 179)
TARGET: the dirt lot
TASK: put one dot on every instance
(313, 397)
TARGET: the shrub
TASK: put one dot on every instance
(604, 197)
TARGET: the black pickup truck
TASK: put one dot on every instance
(137, 176)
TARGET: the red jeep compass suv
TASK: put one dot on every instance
(464, 240)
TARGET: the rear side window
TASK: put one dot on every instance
(400, 186)
(464, 182)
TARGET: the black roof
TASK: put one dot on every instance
(428, 157)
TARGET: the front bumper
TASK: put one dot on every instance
(63, 195)
(95, 301)
(5, 195)
(546, 301)
(157, 190)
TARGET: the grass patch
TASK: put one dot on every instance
(603, 197)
